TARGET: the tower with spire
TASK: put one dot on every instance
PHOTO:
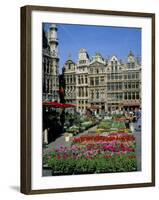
(51, 66)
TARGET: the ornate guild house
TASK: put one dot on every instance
(103, 85)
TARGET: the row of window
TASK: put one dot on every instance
(131, 85)
(121, 96)
(82, 102)
(131, 95)
(100, 80)
(96, 80)
(114, 68)
(115, 76)
(131, 65)
(96, 94)
(93, 70)
(70, 88)
(82, 80)
(115, 96)
(114, 86)
(82, 61)
(70, 79)
(82, 92)
(134, 75)
(121, 86)
(70, 101)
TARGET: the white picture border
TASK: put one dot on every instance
(144, 176)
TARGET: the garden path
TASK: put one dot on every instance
(60, 141)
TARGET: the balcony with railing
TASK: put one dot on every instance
(51, 39)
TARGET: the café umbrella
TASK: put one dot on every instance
(58, 105)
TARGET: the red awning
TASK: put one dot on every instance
(58, 105)
(69, 105)
(53, 104)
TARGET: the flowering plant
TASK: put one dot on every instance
(123, 137)
(94, 154)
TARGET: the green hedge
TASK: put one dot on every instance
(70, 166)
(108, 125)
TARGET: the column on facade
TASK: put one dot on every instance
(84, 92)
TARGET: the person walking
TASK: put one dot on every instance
(127, 120)
(131, 124)
(138, 119)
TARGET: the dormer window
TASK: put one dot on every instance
(131, 65)
(82, 61)
(69, 66)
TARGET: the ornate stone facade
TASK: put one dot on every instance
(123, 83)
(103, 85)
(70, 81)
(50, 63)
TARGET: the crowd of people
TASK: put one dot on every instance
(133, 119)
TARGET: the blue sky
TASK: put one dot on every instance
(106, 40)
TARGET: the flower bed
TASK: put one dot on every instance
(94, 154)
(123, 137)
(112, 126)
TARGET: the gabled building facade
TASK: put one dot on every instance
(103, 85)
